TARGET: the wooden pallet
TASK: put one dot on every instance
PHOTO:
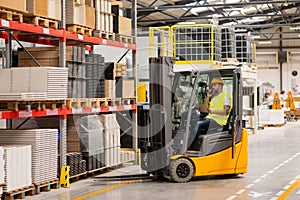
(20, 193)
(16, 105)
(273, 125)
(78, 103)
(40, 21)
(97, 102)
(11, 15)
(99, 171)
(78, 177)
(46, 186)
(124, 38)
(104, 34)
(74, 28)
(128, 101)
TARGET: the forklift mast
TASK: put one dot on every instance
(157, 147)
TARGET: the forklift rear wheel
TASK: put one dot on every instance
(181, 170)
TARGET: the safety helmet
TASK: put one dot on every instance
(217, 80)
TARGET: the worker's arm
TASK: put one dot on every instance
(225, 111)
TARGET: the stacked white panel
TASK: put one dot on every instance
(17, 167)
(44, 150)
(2, 174)
(34, 83)
(271, 117)
(127, 156)
(111, 139)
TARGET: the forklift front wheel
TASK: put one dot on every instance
(181, 170)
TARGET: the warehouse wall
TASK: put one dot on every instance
(269, 70)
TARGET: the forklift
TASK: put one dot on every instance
(173, 149)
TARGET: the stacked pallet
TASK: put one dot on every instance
(12, 10)
(17, 167)
(33, 83)
(91, 141)
(80, 17)
(76, 163)
(114, 70)
(43, 150)
(111, 139)
(115, 73)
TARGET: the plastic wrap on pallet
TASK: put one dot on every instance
(91, 133)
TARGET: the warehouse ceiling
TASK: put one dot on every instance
(266, 18)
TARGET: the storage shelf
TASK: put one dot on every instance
(49, 36)
(63, 111)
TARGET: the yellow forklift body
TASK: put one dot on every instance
(222, 162)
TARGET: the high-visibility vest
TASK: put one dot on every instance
(217, 103)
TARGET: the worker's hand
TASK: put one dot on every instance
(209, 93)
(210, 111)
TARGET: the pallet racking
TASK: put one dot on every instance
(15, 30)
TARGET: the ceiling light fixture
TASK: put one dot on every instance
(265, 42)
(240, 30)
(186, 23)
(256, 37)
(295, 28)
(233, 9)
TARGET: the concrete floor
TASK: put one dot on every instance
(274, 168)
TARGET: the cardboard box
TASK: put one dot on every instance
(90, 16)
(125, 88)
(18, 5)
(75, 12)
(54, 9)
(37, 7)
(124, 26)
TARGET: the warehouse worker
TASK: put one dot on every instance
(268, 100)
(218, 108)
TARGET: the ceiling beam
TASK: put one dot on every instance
(238, 17)
(224, 5)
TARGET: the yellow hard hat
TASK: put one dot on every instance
(217, 80)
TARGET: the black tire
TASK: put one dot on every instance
(181, 170)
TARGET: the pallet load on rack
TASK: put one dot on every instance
(29, 83)
(95, 71)
(121, 25)
(16, 177)
(73, 138)
(46, 13)
(91, 141)
(76, 163)
(104, 20)
(12, 10)
(44, 150)
(127, 155)
(2, 173)
(77, 72)
(80, 18)
(112, 141)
